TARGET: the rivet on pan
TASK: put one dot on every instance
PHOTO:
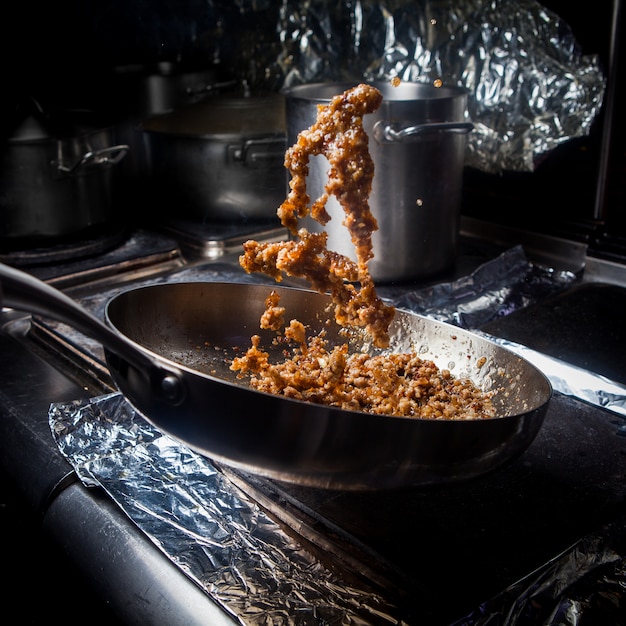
(171, 389)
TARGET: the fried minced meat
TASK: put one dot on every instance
(339, 135)
(388, 384)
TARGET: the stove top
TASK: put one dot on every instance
(437, 555)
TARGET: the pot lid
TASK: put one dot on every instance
(224, 115)
(29, 128)
(33, 123)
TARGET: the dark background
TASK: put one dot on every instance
(64, 52)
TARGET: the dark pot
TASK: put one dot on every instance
(55, 188)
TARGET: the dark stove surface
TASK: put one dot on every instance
(212, 240)
(140, 248)
(47, 254)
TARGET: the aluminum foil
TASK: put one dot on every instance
(222, 540)
(530, 87)
(496, 288)
(245, 561)
(585, 585)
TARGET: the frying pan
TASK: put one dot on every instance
(168, 347)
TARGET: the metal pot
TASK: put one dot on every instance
(218, 160)
(417, 141)
(169, 347)
(153, 90)
(56, 186)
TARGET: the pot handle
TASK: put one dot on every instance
(105, 156)
(24, 292)
(388, 132)
(210, 87)
(259, 151)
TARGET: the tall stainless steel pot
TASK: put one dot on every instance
(417, 141)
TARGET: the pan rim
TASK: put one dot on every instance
(545, 394)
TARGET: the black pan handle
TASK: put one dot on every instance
(23, 292)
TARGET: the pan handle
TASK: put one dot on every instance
(24, 292)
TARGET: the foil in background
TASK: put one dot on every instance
(530, 87)
(496, 288)
(223, 541)
(585, 585)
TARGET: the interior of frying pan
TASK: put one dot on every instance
(202, 326)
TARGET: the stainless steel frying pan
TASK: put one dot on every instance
(168, 347)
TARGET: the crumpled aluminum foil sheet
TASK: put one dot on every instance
(496, 288)
(530, 87)
(229, 547)
(585, 585)
(216, 535)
